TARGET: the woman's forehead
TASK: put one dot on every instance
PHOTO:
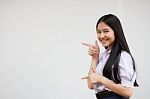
(102, 26)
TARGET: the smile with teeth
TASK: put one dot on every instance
(104, 40)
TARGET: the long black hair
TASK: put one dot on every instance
(111, 70)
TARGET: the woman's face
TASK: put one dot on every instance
(105, 35)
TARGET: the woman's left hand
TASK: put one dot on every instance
(95, 77)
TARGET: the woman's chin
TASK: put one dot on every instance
(104, 45)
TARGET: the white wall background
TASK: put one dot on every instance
(41, 56)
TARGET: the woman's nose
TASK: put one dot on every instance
(102, 35)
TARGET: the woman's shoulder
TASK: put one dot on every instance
(125, 57)
(125, 54)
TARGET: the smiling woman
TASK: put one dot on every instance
(112, 73)
(105, 35)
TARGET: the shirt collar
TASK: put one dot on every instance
(108, 51)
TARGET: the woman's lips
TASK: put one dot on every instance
(104, 40)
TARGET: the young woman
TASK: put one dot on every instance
(112, 73)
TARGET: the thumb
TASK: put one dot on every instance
(96, 43)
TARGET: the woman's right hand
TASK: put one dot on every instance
(93, 50)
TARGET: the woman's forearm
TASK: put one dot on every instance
(117, 88)
(92, 66)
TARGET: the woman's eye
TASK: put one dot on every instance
(98, 32)
(106, 32)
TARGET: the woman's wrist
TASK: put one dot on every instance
(106, 82)
(94, 60)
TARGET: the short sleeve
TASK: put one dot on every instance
(127, 73)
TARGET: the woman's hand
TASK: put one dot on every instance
(93, 50)
(94, 77)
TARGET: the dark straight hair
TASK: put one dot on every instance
(111, 70)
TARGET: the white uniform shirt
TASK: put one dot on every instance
(127, 73)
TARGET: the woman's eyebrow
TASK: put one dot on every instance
(105, 29)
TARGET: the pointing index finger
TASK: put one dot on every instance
(86, 44)
(86, 77)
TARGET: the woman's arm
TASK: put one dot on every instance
(117, 88)
(93, 66)
(93, 51)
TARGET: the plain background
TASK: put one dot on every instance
(41, 56)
